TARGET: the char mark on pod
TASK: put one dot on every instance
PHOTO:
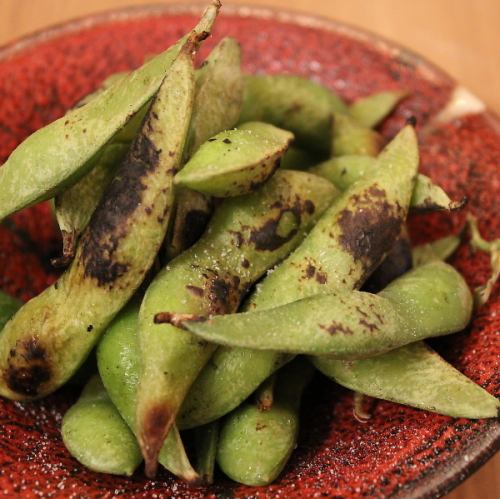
(28, 368)
(120, 201)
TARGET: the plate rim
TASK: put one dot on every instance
(448, 475)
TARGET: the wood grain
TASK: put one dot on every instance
(461, 36)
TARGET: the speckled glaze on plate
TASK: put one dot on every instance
(400, 452)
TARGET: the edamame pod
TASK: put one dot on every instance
(51, 335)
(347, 243)
(345, 170)
(432, 300)
(75, 206)
(441, 249)
(414, 375)
(351, 138)
(8, 307)
(235, 162)
(297, 104)
(96, 435)
(58, 155)
(206, 440)
(118, 363)
(254, 446)
(245, 237)
(217, 105)
(371, 110)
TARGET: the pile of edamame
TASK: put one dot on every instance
(223, 236)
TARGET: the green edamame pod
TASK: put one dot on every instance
(219, 94)
(345, 170)
(96, 435)
(298, 159)
(51, 335)
(441, 249)
(107, 83)
(297, 104)
(432, 300)
(254, 446)
(8, 307)
(245, 237)
(58, 155)
(330, 258)
(413, 375)
(118, 363)
(75, 206)
(206, 440)
(235, 162)
(371, 110)
(217, 105)
(351, 138)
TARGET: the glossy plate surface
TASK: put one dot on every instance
(401, 451)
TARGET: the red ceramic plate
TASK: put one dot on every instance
(401, 451)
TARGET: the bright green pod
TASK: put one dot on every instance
(8, 307)
(246, 236)
(432, 300)
(217, 106)
(345, 170)
(58, 155)
(206, 440)
(297, 104)
(235, 162)
(75, 206)
(52, 334)
(441, 249)
(414, 375)
(371, 110)
(254, 446)
(118, 364)
(346, 245)
(351, 138)
(96, 435)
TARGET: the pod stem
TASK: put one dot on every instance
(358, 411)
(483, 293)
(264, 396)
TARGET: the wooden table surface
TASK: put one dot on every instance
(461, 36)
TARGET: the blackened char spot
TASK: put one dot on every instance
(370, 228)
(310, 271)
(193, 226)
(109, 223)
(335, 327)
(223, 294)
(321, 277)
(245, 263)
(309, 206)
(28, 368)
(372, 327)
(395, 264)
(266, 238)
(227, 141)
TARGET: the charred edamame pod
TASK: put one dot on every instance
(235, 162)
(414, 375)
(296, 104)
(58, 155)
(343, 171)
(431, 300)
(51, 335)
(118, 363)
(96, 435)
(245, 237)
(347, 243)
(254, 446)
